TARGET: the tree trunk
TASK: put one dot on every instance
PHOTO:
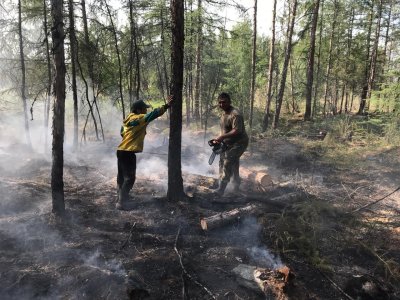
(57, 182)
(329, 64)
(89, 62)
(270, 71)
(364, 92)
(342, 99)
(292, 86)
(310, 62)
(387, 35)
(285, 65)
(72, 38)
(348, 59)
(253, 69)
(166, 79)
(23, 84)
(48, 91)
(175, 181)
(316, 88)
(134, 58)
(198, 62)
(114, 32)
(131, 54)
(374, 54)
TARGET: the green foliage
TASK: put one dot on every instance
(302, 228)
(392, 131)
(238, 68)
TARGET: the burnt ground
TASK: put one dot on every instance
(98, 252)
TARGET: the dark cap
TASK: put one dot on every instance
(138, 105)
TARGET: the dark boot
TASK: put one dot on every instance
(236, 188)
(221, 189)
(123, 201)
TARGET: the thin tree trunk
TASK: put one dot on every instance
(130, 61)
(329, 64)
(374, 54)
(348, 56)
(352, 98)
(134, 55)
(310, 63)
(57, 181)
(316, 88)
(121, 94)
(364, 92)
(270, 71)
(198, 62)
(49, 78)
(216, 87)
(285, 65)
(188, 61)
(91, 112)
(342, 99)
(137, 60)
(164, 60)
(387, 38)
(23, 84)
(292, 86)
(90, 67)
(253, 68)
(73, 69)
(346, 102)
(175, 181)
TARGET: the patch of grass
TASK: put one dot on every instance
(302, 228)
(316, 231)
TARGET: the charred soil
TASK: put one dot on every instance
(159, 251)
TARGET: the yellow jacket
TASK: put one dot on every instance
(133, 129)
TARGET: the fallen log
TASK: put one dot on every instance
(279, 201)
(261, 178)
(227, 217)
(224, 218)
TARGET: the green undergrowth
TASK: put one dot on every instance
(319, 234)
(349, 140)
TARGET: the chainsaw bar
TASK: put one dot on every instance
(212, 157)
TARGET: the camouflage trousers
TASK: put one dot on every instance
(229, 164)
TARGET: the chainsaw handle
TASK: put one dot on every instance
(213, 142)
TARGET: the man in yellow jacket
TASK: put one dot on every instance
(133, 131)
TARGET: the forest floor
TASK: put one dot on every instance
(98, 252)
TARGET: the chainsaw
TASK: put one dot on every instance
(217, 148)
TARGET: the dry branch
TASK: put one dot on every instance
(376, 201)
(279, 201)
(129, 237)
(184, 269)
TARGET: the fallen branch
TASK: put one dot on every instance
(227, 217)
(376, 201)
(336, 286)
(129, 237)
(186, 272)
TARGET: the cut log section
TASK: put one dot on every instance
(264, 179)
(261, 178)
(227, 217)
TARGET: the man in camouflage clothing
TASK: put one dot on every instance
(234, 135)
